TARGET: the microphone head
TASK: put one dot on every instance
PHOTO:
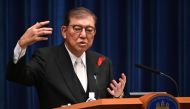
(147, 68)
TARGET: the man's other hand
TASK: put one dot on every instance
(117, 87)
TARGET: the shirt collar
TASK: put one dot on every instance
(74, 58)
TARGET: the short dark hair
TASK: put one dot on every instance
(79, 12)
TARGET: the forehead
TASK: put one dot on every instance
(85, 21)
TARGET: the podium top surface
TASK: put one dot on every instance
(183, 100)
(124, 103)
(107, 103)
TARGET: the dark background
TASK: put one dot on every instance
(151, 32)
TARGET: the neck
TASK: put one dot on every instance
(77, 54)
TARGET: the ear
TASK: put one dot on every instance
(63, 31)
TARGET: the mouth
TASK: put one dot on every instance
(82, 44)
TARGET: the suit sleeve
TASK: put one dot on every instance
(27, 73)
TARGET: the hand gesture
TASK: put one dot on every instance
(117, 88)
(35, 33)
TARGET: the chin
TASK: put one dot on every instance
(83, 48)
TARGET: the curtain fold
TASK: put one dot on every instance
(150, 32)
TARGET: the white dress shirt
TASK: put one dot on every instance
(18, 53)
(79, 67)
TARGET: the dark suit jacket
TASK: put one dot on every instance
(51, 71)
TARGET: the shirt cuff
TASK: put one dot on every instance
(18, 53)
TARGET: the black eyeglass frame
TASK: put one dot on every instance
(79, 28)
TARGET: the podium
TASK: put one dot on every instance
(127, 103)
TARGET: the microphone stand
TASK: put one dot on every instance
(169, 77)
(160, 73)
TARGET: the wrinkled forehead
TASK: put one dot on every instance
(82, 20)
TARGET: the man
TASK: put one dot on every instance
(66, 73)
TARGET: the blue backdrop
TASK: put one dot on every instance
(151, 32)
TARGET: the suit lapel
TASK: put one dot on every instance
(69, 76)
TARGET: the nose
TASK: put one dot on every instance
(83, 33)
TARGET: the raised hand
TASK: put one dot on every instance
(117, 88)
(35, 34)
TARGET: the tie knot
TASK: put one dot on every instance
(78, 60)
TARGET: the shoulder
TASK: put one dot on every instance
(46, 51)
(95, 55)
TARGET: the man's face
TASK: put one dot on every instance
(79, 34)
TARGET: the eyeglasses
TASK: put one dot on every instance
(79, 28)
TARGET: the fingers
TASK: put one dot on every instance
(40, 24)
(44, 31)
(40, 32)
(114, 85)
(38, 29)
(123, 76)
(35, 33)
(36, 39)
(116, 88)
(110, 91)
(121, 83)
(122, 80)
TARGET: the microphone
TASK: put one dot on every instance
(155, 71)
